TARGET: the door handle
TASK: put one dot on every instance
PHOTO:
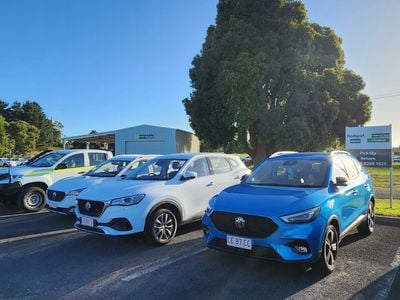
(237, 177)
(210, 184)
(81, 172)
(366, 185)
(355, 192)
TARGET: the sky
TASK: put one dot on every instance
(106, 65)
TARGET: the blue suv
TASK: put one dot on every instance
(293, 208)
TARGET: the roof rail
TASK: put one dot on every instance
(339, 152)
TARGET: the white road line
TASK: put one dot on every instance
(23, 214)
(32, 236)
(389, 280)
(149, 268)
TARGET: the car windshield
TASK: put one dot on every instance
(290, 172)
(158, 169)
(109, 168)
(48, 160)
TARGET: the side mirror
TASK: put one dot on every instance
(61, 166)
(244, 177)
(189, 175)
(341, 181)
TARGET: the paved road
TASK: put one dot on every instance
(42, 257)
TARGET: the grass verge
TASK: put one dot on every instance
(382, 207)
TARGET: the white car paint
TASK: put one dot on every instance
(61, 196)
(189, 196)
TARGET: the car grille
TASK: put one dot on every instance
(254, 226)
(90, 208)
(55, 195)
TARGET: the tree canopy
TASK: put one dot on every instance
(25, 128)
(269, 79)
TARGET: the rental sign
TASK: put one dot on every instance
(371, 145)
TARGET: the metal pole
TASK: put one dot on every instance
(391, 187)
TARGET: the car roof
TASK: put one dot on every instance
(191, 155)
(312, 155)
(67, 151)
(131, 156)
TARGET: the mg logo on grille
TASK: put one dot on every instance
(88, 206)
(240, 222)
(54, 194)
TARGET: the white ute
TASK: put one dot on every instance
(27, 183)
(158, 196)
(61, 196)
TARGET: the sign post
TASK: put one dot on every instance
(372, 146)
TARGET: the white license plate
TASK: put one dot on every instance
(52, 205)
(238, 242)
(87, 222)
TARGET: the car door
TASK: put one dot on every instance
(196, 192)
(357, 181)
(72, 165)
(345, 196)
(222, 174)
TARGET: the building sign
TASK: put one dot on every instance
(145, 136)
(371, 145)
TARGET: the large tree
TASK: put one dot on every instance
(25, 136)
(271, 80)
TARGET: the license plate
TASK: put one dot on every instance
(87, 222)
(52, 205)
(238, 242)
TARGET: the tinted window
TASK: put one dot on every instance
(199, 166)
(219, 165)
(48, 160)
(157, 169)
(74, 161)
(352, 171)
(290, 172)
(96, 158)
(339, 170)
(109, 168)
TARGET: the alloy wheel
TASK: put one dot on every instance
(330, 248)
(371, 216)
(164, 227)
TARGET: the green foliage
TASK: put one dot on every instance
(25, 136)
(271, 80)
(4, 140)
(42, 133)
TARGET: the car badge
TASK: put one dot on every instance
(88, 206)
(54, 194)
(239, 222)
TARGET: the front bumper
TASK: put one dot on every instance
(10, 188)
(279, 246)
(64, 207)
(114, 220)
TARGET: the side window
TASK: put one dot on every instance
(199, 166)
(234, 164)
(96, 158)
(351, 168)
(339, 170)
(74, 161)
(136, 164)
(219, 165)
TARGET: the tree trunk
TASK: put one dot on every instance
(259, 153)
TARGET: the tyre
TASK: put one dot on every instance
(326, 263)
(161, 227)
(31, 199)
(367, 227)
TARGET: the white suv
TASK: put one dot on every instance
(61, 196)
(28, 183)
(159, 196)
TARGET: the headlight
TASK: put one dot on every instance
(129, 200)
(75, 192)
(302, 217)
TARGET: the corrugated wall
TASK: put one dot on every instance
(145, 139)
(186, 142)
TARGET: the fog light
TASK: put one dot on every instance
(301, 249)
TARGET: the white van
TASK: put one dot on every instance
(29, 182)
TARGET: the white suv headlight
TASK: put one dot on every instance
(75, 192)
(302, 217)
(128, 200)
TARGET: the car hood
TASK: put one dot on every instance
(268, 201)
(117, 188)
(26, 171)
(80, 182)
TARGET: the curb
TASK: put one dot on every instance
(393, 221)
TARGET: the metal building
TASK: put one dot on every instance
(143, 139)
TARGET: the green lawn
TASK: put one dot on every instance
(383, 208)
(380, 177)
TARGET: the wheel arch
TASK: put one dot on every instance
(39, 184)
(168, 204)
